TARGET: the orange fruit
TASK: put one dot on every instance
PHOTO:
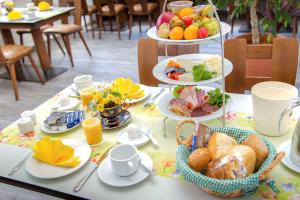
(176, 33)
(191, 32)
(185, 12)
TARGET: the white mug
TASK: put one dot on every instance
(25, 125)
(269, 99)
(83, 81)
(124, 159)
(30, 6)
(30, 114)
(133, 131)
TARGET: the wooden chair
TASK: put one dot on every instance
(9, 55)
(22, 32)
(139, 9)
(89, 10)
(267, 62)
(108, 8)
(67, 29)
(148, 59)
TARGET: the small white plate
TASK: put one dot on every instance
(163, 105)
(285, 147)
(146, 94)
(45, 171)
(152, 33)
(122, 137)
(73, 103)
(107, 176)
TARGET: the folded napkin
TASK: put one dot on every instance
(54, 152)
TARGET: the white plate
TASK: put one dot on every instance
(44, 171)
(159, 70)
(106, 175)
(285, 147)
(44, 129)
(142, 139)
(152, 33)
(146, 94)
(73, 103)
(163, 105)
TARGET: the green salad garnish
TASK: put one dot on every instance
(200, 73)
(216, 97)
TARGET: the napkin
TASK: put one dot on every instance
(54, 152)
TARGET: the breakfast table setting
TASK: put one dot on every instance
(184, 139)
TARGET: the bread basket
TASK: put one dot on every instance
(225, 188)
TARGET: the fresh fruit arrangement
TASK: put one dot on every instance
(191, 101)
(187, 24)
(127, 88)
(14, 15)
(43, 6)
(196, 70)
(9, 6)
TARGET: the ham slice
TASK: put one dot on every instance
(189, 95)
(179, 106)
(200, 94)
(209, 108)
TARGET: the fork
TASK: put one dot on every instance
(151, 100)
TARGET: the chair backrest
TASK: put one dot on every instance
(100, 3)
(77, 11)
(36, 2)
(251, 64)
(148, 59)
(130, 4)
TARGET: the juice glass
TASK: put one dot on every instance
(86, 96)
(93, 130)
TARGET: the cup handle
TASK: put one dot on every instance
(130, 165)
(286, 111)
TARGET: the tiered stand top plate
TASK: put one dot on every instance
(159, 70)
(152, 33)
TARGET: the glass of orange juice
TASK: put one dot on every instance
(93, 130)
(86, 96)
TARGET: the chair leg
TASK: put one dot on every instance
(100, 24)
(140, 24)
(85, 24)
(68, 47)
(84, 43)
(49, 46)
(150, 20)
(36, 69)
(22, 43)
(12, 71)
(59, 45)
(92, 25)
(110, 24)
(118, 26)
(129, 26)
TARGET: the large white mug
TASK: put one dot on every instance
(83, 81)
(269, 99)
(124, 159)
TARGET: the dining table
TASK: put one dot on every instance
(167, 183)
(34, 23)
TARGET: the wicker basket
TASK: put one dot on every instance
(225, 188)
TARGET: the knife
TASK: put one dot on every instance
(82, 181)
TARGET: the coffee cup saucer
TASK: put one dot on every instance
(107, 176)
(285, 147)
(123, 138)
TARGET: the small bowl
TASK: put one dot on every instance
(176, 6)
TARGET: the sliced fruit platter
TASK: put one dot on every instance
(187, 25)
(191, 69)
(197, 103)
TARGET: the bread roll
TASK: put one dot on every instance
(198, 160)
(260, 148)
(227, 167)
(220, 144)
(246, 155)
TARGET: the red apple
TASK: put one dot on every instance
(164, 17)
(187, 20)
(203, 32)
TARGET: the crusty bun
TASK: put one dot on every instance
(227, 167)
(198, 160)
(246, 155)
(260, 148)
(220, 144)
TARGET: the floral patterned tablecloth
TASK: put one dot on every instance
(287, 181)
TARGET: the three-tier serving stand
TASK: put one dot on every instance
(223, 28)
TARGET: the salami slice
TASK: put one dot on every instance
(209, 108)
(198, 112)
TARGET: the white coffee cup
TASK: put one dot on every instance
(30, 114)
(83, 81)
(270, 98)
(124, 159)
(25, 125)
(133, 131)
(30, 6)
(63, 100)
